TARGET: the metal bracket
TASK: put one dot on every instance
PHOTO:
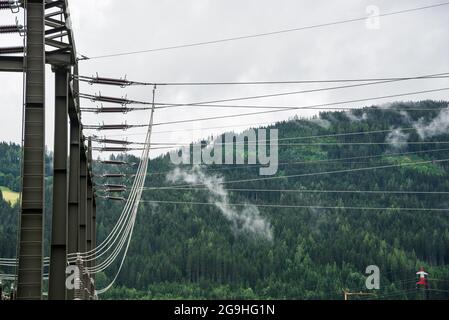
(14, 5)
(20, 28)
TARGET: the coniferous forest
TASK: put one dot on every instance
(343, 207)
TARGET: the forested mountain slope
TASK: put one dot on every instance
(305, 243)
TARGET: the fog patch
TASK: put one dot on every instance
(248, 219)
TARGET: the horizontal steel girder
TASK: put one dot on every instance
(15, 64)
(11, 64)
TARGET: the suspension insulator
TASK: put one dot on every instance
(114, 190)
(115, 198)
(112, 100)
(113, 110)
(112, 149)
(9, 5)
(101, 98)
(108, 110)
(114, 186)
(11, 29)
(113, 127)
(112, 141)
(107, 81)
(113, 175)
(114, 162)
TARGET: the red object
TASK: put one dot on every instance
(422, 274)
(422, 281)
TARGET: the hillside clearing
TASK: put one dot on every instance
(10, 196)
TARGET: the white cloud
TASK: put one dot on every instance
(248, 219)
(397, 139)
(438, 126)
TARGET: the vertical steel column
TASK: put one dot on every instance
(82, 238)
(30, 269)
(74, 177)
(58, 258)
(82, 235)
(89, 207)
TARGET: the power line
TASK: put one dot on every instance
(326, 161)
(127, 220)
(316, 173)
(167, 146)
(124, 101)
(93, 80)
(113, 109)
(433, 279)
(437, 290)
(127, 109)
(138, 183)
(115, 100)
(295, 92)
(315, 191)
(124, 150)
(101, 127)
(118, 142)
(283, 107)
(297, 108)
(187, 130)
(253, 123)
(337, 160)
(203, 43)
(336, 134)
(298, 206)
(174, 145)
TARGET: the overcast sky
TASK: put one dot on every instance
(405, 45)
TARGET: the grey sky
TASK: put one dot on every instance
(409, 44)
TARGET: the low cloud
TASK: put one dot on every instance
(439, 125)
(397, 139)
(323, 123)
(248, 219)
(405, 117)
(425, 129)
(353, 117)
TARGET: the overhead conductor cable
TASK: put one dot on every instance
(122, 231)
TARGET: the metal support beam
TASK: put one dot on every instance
(11, 64)
(29, 286)
(58, 257)
(74, 183)
(82, 219)
(74, 192)
(89, 207)
(15, 64)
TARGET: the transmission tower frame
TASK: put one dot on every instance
(50, 40)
